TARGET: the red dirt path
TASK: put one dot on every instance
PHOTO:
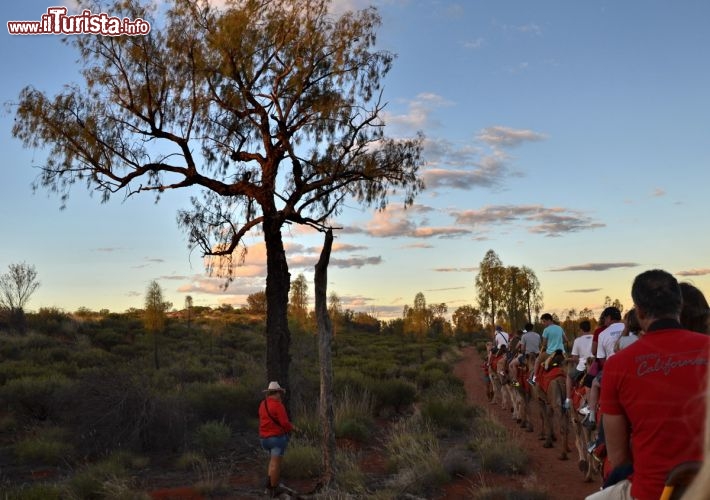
(560, 479)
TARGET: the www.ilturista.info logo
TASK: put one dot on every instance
(57, 22)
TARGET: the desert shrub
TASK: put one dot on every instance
(350, 380)
(349, 478)
(353, 416)
(125, 410)
(37, 397)
(128, 460)
(36, 492)
(190, 371)
(8, 424)
(108, 339)
(429, 377)
(95, 480)
(47, 446)
(16, 369)
(231, 403)
(497, 452)
(446, 411)
(302, 460)
(393, 393)
(414, 456)
(189, 460)
(211, 437)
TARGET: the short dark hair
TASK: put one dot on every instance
(546, 316)
(585, 325)
(529, 327)
(657, 292)
(695, 314)
(612, 312)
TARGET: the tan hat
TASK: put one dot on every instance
(274, 387)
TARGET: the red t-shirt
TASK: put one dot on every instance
(658, 384)
(280, 424)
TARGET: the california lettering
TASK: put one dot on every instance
(666, 365)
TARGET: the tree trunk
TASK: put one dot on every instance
(278, 282)
(325, 337)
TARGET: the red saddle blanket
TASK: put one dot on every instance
(544, 378)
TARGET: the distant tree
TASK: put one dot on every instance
(466, 319)
(491, 285)
(16, 287)
(532, 293)
(271, 111)
(299, 299)
(586, 313)
(418, 317)
(613, 303)
(256, 302)
(154, 315)
(188, 309)
(335, 310)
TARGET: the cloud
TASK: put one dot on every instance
(473, 44)
(529, 28)
(108, 249)
(445, 289)
(548, 221)
(658, 192)
(584, 290)
(694, 272)
(596, 266)
(394, 222)
(455, 269)
(418, 245)
(508, 137)
(418, 115)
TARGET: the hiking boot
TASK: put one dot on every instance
(531, 381)
(584, 410)
(589, 423)
(515, 384)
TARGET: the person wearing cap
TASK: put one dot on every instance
(274, 430)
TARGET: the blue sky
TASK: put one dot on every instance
(570, 137)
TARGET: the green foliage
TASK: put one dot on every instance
(414, 456)
(302, 460)
(36, 492)
(47, 446)
(396, 394)
(96, 480)
(497, 452)
(445, 408)
(212, 437)
(353, 416)
(231, 403)
(36, 398)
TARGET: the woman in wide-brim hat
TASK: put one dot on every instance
(274, 429)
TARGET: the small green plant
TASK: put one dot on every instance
(36, 492)
(414, 456)
(393, 393)
(353, 415)
(302, 460)
(211, 437)
(497, 451)
(47, 446)
(92, 481)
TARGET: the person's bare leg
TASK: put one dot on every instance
(275, 470)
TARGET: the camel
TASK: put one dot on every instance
(550, 390)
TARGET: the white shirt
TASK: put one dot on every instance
(607, 339)
(582, 347)
(502, 338)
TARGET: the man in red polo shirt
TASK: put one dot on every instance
(653, 395)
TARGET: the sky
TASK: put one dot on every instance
(570, 137)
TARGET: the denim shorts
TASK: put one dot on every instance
(275, 445)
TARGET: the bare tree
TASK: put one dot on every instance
(188, 310)
(272, 110)
(16, 288)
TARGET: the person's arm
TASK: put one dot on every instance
(281, 417)
(616, 434)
